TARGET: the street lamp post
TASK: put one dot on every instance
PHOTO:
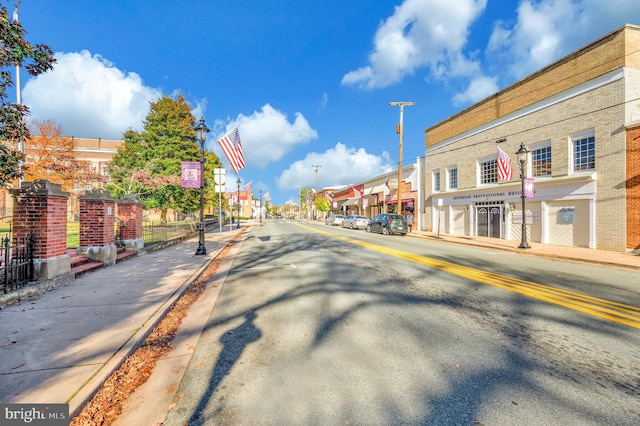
(260, 206)
(238, 182)
(201, 136)
(522, 159)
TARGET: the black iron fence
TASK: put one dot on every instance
(16, 262)
(159, 233)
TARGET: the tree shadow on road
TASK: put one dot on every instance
(234, 343)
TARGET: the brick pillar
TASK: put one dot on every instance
(130, 223)
(97, 220)
(633, 189)
(41, 207)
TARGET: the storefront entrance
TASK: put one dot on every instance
(488, 219)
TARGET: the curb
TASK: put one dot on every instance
(83, 395)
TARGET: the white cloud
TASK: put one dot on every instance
(89, 97)
(478, 89)
(267, 135)
(432, 35)
(421, 33)
(546, 30)
(341, 165)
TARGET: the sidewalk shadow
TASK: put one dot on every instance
(234, 342)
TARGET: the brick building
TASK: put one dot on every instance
(580, 119)
(95, 154)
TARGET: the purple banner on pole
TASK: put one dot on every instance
(190, 174)
(528, 187)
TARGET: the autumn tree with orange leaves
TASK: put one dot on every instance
(50, 156)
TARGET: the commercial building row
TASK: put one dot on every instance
(579, 117)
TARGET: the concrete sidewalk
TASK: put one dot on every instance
(62, 345)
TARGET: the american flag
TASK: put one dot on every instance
(232, 148)
(504, 166)
(267, 197)
(247, 187)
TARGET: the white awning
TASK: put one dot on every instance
(380, 188)
(351, 202)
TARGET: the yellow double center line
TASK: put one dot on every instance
(602, 308)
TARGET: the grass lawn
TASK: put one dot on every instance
(73, 233)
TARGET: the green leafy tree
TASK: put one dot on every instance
(35, 59)
(149, 163)
(323, 205)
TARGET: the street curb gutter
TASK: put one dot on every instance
(83, 395)
(152, 402)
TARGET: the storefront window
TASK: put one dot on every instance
(541, 162)
(584, 154)
(489, 172)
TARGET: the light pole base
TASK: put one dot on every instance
(201, 250)
(524, 246)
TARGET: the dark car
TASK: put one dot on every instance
(388, 223)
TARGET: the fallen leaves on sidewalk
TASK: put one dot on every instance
(107, 403)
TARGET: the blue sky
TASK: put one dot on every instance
(307, 81)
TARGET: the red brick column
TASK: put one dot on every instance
(130, 222)
(41, 207)
(633, 189)
(97, 220)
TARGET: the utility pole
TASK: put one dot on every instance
(400, 130)
(316, 197)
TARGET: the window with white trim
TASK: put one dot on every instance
(541, 160)
(452, 177)
(488, 171)
(583, 150)
(436, 181)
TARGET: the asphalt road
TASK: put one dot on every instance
(317, 325)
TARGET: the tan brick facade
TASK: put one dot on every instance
(593, 91)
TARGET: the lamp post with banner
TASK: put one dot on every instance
(201, 136)
(522, 154)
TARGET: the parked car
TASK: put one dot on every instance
(387, 223)
(334, 219)
(355, 221)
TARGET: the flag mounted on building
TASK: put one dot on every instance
(232, 148)
(504, 166)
